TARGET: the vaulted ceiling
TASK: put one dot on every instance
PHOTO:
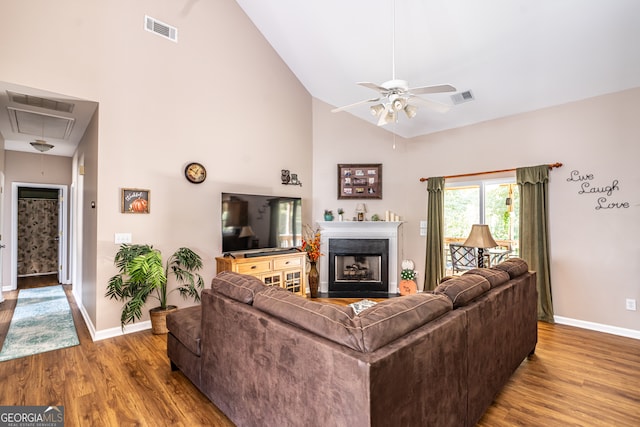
(513, 55)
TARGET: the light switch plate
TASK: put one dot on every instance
(423, 227)
(121, 238)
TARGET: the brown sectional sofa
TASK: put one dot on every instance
(267, 357)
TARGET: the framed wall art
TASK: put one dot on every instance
(360, 181)
(135, 200)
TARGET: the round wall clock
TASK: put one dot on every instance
(195, 173)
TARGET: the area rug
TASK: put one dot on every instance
(41, 322)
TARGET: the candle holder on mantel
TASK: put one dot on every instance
(390, 216)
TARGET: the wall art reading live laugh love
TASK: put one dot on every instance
(606, 192)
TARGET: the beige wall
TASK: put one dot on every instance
(85, 180)
(592, 251)
(36, 168)
(1, 153)
(32, 168)
(220, 96)
(3, 253)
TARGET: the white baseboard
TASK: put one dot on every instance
(112, 332)
(614, 330)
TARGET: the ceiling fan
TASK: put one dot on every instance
(396, 95)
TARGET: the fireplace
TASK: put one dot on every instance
(358, 267)
(360, 258)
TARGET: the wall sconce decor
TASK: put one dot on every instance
(289, 178)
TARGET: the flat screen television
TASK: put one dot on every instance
(254, 223)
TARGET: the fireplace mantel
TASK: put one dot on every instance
(362, 230)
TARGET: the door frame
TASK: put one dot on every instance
(63, 244)
(2, 245)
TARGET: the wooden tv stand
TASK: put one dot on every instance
(288, 270)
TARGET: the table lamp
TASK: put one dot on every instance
(480, 237)
(246, 231)
(361, 209)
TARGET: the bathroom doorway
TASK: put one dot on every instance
(39, 221)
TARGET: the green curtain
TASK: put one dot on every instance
(534, 241)
(434, 263)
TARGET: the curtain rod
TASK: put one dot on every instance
(551, 166)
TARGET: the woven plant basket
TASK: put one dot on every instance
(159, 319)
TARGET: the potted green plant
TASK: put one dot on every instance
(142, 275)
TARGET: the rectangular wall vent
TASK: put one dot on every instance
(459, 98)
(161, 29)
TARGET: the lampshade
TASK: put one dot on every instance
(246, 231)
(361, 207)
(480, 237)
(410, 111)
(398, 104)
(377, 109)
(390, 117)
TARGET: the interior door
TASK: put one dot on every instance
(60, 235)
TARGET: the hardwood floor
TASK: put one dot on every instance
(576, 378)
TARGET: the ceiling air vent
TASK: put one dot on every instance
(461, 97)
(39, 124)
(160, 28)
(37, 101)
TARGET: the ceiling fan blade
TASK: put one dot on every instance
(433, 105)
(432, 89)
(345, 107)
(373, 86)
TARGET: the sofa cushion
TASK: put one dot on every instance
(186, 325)
(390, 319)
(239, 287)
(462, 290)
(330, 321)
(372, 329)
(494, 276)
(514, 266)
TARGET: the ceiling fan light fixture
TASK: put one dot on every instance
(377, 109)
(410, 111)
(398, 104)
(390, 117)
(41, 145)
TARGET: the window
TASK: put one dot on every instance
(493, 202)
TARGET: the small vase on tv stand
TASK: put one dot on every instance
(314, 278)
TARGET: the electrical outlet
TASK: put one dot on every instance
(631, 304)
(122, 238)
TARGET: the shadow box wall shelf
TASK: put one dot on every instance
(360, 181)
